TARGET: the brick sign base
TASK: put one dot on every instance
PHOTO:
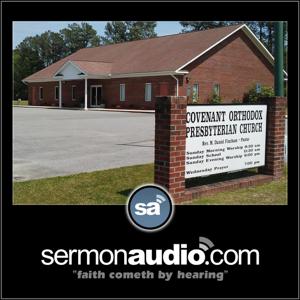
(170, 136)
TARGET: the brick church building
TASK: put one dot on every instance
(224, 61)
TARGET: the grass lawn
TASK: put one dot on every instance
(100, 187)
(274, 193)
(22, 102)
(114, 185)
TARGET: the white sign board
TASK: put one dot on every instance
(224, 138)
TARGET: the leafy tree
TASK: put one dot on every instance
(30, 53)
(37, 52)
(26, 60)
(19, 87)
(115, 32)
(77, 36)
(51, 47)
(124, 31)
(189, 26)
(141, 30)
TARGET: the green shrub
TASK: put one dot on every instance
(252, 96)
(215, 99)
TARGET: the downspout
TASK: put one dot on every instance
(177, 84)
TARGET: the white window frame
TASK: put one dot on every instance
(258, 87)
(147, 86)
(197, 96)
(56, 87)
(73, 86)
(41, 88)
(122, 94)
(219, 89)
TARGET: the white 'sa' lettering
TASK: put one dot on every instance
(150, 209)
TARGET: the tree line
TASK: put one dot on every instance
(37, 52)
(264, 30)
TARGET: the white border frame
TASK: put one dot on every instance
(116, 204)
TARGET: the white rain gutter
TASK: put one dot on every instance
(177, 84)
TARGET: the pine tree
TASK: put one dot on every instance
(124, 31)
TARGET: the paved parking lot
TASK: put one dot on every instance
(53, 142)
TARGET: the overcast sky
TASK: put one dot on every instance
(23, 29)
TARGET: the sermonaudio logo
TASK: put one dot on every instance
(149, 207)
(205, 253)
(205, 243)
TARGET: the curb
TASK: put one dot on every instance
(89, 109)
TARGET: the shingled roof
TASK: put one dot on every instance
(161, 54)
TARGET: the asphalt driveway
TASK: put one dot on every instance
(53, 142)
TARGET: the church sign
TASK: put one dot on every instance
(224, 138)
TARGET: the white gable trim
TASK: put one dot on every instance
(211, 47)
(109, 76)
(41, 80)
(251, 36)
(260, 45)
(69, 62)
